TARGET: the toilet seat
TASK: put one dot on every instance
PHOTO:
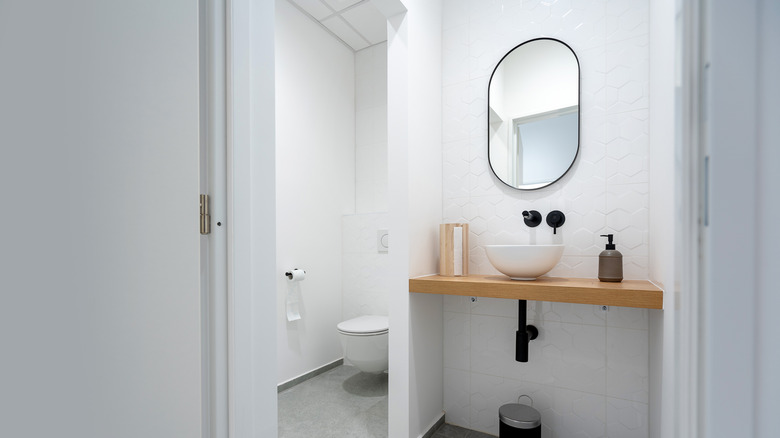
(368, 325)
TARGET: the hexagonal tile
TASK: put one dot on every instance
(495, 223)
(452, 213)
(552, 26)
(478, 225)
(583, 239)
(632, 164)
(505, 209)
(630, 238)
(631, 92)
(626, 418)
(618, 220)
(470, 212)
(616, 149)
(541, 12)
(618, 76)
(630, 130)
(551, 352)
(486, 209)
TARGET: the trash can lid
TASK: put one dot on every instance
(519, 416)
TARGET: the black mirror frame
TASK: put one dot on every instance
(579, 113)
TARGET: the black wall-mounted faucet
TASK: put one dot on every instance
(532, 218)
(555, 219)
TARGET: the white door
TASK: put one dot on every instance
(100, 317)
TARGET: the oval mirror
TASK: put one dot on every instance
(534, 114)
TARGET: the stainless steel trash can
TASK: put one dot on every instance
(519, 421)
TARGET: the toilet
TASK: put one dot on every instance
(364, 342)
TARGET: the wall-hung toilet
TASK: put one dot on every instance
(364, 342)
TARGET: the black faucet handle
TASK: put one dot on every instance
(532, 218)
(555, 219)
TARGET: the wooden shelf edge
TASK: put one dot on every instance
(629, 293)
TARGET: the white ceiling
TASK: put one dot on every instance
(357, 23)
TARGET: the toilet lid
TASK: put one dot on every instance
(369, 324)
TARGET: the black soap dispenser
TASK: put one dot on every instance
(610, 262)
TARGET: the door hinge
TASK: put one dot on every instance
(205, 219)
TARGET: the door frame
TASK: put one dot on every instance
(690, 192)
(251, 218)
(213, 182)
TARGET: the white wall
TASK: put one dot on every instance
(424, 215)
(397, 137)
(414, 160)
(588, 371)
(371, 129)
(664, 218)
(315, 170)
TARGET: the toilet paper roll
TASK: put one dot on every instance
(296, 275)
(457, 249)
(453, 250)
(293, 301)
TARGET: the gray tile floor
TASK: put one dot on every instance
(344, 403)
(450, 431)
(340, 403)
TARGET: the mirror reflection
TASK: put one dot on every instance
(533, 114)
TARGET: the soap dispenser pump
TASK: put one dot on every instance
(610, 262)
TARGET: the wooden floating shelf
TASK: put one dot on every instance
(628, 293)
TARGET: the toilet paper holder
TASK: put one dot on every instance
(289, 274)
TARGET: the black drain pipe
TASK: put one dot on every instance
(525, 333)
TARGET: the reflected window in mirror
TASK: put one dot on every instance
(533, 114)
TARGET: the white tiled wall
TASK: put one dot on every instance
(585, 361)
(365, 271)
(588, 370)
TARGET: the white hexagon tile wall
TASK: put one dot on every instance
(588, 371)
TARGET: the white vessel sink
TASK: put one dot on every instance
(524, 262)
